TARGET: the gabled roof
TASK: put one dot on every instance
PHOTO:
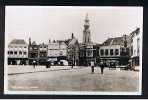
(67, 41)
(113, 41)
(18, 41)
(72, 42)
(135, 32)
(43, 44)
(33, 43)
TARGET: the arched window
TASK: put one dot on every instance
(20, 52)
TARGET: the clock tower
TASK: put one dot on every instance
(86, 31)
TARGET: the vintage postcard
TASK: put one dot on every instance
(73, 50)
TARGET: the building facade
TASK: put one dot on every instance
(135, 56)
(33, 52)
(73, 51)
(57, 50)
(17, 52)
(114, 50)
(87, 48)
(43, 54)
(88, 53)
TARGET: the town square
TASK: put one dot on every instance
(74, 49)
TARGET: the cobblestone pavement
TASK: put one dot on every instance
(77, 79)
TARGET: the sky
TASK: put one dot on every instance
(42, 23)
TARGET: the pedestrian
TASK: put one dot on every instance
(34, 63)
(48, 64)
(102, 67)
(72, 65)
(92, 67)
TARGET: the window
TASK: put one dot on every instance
(102, 52)
(122, 50)
(15, 52)
(134, 52)
(106, 52)
(11, 52)
(24, 46)
(111, 51)
(131, 50)
(116, 52)
(89, 53)
(20, 52)
(8, 52)
(138, 46)
(61, 53)
(25, 53)
(30, 48)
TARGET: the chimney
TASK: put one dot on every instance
(72, 36)
(29, 41)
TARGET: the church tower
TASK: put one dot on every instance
(86, 31)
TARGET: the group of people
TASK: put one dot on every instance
(93, 65)
(35, 64)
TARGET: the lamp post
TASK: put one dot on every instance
(85, 55)
(72, 57)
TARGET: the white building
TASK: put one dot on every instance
(136, 40)
(57, 50)
(17, 52)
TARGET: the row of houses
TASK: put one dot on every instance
(21, 52)
(118, 50)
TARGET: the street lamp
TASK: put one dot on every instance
(85, 55)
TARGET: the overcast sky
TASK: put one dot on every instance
(42, 23)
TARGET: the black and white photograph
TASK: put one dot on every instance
(73, 50)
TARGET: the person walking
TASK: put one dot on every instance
(34, 63)
(92, 67)
(48, 64)
(102, 67)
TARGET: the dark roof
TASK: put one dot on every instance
(73, 41)
(136, 31)
(67, 41)
(33, 43)
(113, 41)
(18, 41)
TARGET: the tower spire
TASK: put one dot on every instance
(86, 18)
(86, 31)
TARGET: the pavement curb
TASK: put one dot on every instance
(41, 71)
